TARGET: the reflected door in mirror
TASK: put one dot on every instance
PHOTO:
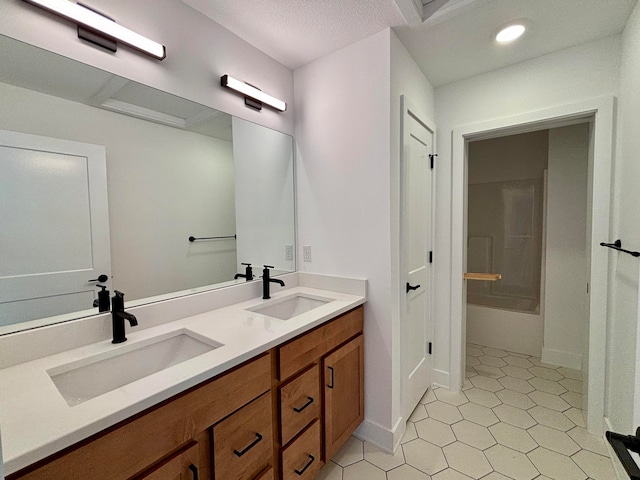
(55, 226)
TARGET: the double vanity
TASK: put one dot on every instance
(238, 388)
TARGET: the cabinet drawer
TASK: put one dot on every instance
(243, 443)
(301, 460)
(307, 348)
(299, 403)
(182, 465)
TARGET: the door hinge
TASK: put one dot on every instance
(430, 256)
(432, 158)
(430, 347)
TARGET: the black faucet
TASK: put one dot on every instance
(248, 273)
(118, 316)
(103, 302)
(266, 280)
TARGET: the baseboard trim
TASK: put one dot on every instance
(562, 359)
(621, 473)
(380, 436)
(441, 378)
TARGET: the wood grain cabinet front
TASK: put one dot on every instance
(299, 403)
(301, 459)
(184, 465)
(243, 442)
(343, 372)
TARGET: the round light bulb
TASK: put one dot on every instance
(510, 33)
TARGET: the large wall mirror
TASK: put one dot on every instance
(100, 175)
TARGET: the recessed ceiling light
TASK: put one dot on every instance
(511, 31)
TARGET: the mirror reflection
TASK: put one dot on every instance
(104, 177)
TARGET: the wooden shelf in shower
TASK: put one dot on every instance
(489, 277)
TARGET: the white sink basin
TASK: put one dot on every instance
(288, 307)
(90, 377)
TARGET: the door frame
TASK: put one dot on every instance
(408, 108)
(601, 112)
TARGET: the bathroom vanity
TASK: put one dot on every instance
(277, 391)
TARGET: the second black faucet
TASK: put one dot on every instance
(267, 280)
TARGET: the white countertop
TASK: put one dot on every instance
(36, 421)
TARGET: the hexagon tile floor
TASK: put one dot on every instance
(516, 418)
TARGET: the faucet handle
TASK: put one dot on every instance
(269, 266)
(247, 264)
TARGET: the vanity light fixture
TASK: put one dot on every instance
(254, 97)
(88, 18)
(511, 31)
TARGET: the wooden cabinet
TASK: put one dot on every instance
(343, 393)
(299, 403)
(279, 416)
(338, 348)
(242, 442)
(184, 465)
(301, 459)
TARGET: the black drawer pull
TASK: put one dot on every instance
(194, 471)
(253, 444)
(300, 472)
(331, 384)
(309, 402)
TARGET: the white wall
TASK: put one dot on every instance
(164, 184)
(623, 394)
(343, 138)
(566, 323)
(264, 201)
(578, 73)
(348, 194)
(199, 52)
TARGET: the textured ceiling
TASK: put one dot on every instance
(294, 32)
(453, 45)
(463, 45)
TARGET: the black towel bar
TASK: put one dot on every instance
(193, 239)
(617, 245)
(622, 444)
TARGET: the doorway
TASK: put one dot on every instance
(600, 113)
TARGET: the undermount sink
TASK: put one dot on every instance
(93, 376)
(290, 306)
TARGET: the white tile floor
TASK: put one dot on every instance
(516, 418)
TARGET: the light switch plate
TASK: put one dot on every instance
(288, 252)
(306, 253)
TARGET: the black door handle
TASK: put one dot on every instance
(249, 447)
(102, 278)
(331, 384)
(411, 287)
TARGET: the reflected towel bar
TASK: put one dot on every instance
(193, 239)
(489, 277)
(617, 245)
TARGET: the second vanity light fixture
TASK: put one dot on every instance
(252, 93)
(85, 17)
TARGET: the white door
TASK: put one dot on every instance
(55, 226)
(415, 221)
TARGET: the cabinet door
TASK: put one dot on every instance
(181, 466)
(343, 372)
